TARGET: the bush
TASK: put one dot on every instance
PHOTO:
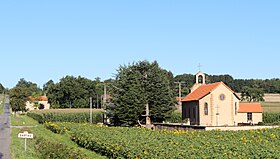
(271, 118)
(81, 117)
(176, 117)
(50, 149)
(36, 116)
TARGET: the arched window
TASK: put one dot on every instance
(206, 109)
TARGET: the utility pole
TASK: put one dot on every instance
(180, 92)
(96, 100)
(90, 109)
(105, 95)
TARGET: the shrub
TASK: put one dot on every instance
(176, 117)
(50, 149)
(271, 118)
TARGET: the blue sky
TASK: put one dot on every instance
(43, 40)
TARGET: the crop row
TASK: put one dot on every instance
(271, 118)
(123, 142)
(79, 117)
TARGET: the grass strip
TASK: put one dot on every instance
(45, 144)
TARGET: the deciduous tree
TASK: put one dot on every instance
(18, 97)
(71, 91)
(252, 94)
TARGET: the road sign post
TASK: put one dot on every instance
(26, 136)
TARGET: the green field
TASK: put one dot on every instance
(45, 144)
(2, 102)
(271, 106)
(124, 142)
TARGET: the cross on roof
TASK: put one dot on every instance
(199, 66)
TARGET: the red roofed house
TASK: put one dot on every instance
(216, 104)
(40, 101)
(250, 111)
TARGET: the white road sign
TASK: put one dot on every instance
(25, 135)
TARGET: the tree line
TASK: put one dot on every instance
(134, 86)
(237, 85)
(74, 92)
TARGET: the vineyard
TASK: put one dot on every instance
(67, 115)
(134, 142)
(122, 142)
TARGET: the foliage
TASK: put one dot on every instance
(135, 86)
(71, 92)
(2, 88)
(175, 117)
(18, 97)
(252, 94)
(36, 104)
(30, 88)
(271, 118)
(52, 149)
(48, 86)
(20, 93)
(267, 85)
(123, 142)
(79, 117)
(187, 81)
(2, 103)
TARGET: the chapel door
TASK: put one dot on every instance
(194, 116)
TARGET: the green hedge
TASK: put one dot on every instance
(271, 118)
(66, 117)
(51, 149)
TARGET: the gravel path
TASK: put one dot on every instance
(5, 140)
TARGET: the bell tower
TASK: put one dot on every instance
(199, 80)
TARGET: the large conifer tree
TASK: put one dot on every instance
(137, 84)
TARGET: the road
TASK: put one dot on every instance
(5, 140)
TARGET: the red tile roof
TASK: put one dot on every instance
(250, 108)
(44, 98)
(38, 98)
(203, 90)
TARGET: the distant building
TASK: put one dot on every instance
(36, 103)
(216, 104)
